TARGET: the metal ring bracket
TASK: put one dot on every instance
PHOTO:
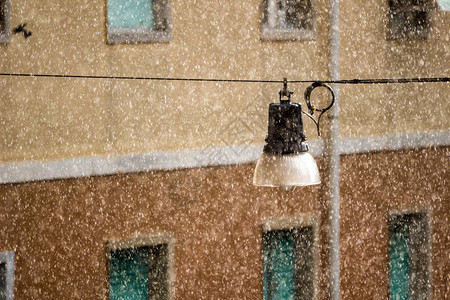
(312, 108)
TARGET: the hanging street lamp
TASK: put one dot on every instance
(285, 161)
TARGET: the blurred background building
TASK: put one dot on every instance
(112, 187)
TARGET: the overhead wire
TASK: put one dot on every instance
(343, 81)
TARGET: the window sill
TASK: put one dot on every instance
(413, 35)
(134, 36)
(288, 34)
(4, 38)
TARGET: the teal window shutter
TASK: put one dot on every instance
(279, 269)
(288, 264)
(408, 257)
(399, 263)
(128, 273)
(130, 13)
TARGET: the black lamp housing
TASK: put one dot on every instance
(285, 134)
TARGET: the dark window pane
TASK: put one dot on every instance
(298, 13)
(2, 15)
(2, 281)
(305, 263)
(409, 18)
(289, 14)
(158, 281)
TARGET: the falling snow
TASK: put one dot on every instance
(131, 187)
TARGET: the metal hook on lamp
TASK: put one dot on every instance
(312, 108)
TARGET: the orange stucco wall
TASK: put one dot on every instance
(59, 228)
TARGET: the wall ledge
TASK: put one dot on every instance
(14, 172)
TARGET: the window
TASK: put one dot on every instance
(7, 275)
(141, 269)
(289, 262)
(409, 18)
(5, 30)
(288, 20)
(408, 256)
(136, 21)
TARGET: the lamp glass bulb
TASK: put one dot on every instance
(286, 171)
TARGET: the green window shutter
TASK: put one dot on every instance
(399, 262)
(279, 267)
(130, 13)
(289, 264)
(408, 257)
(128, 273)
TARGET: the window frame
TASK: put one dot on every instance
(270, 33)
(142, 241)
(7, 257)
(5, 34)
(427, 212)
(288, 223)
(160, 32)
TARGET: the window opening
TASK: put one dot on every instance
(136, 21)
(409, 18)
(288, 263)
(287, 19)
(139, 272)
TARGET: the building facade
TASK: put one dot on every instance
(132, 186)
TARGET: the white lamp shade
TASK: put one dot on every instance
(287, 170)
